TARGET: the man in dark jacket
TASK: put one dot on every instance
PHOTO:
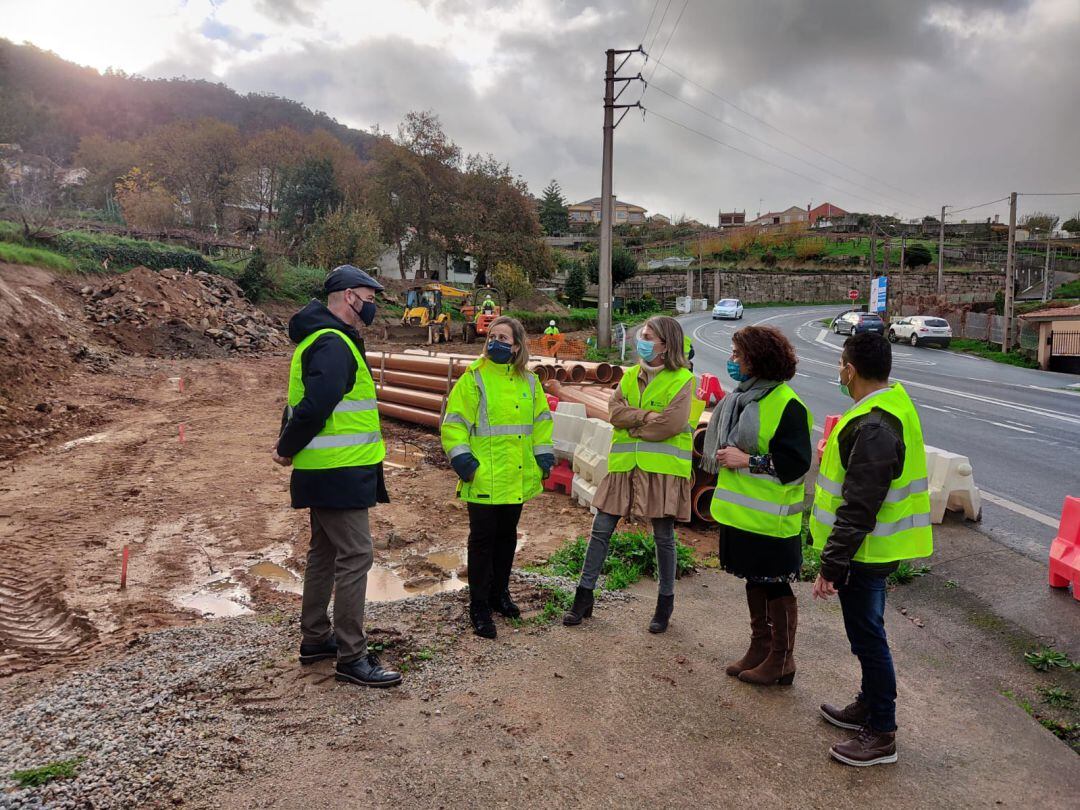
(330, 434)
(872, 452)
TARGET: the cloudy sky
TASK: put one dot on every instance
(879, 105)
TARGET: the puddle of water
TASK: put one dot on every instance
(217, 599)
(448, 561)
(282, 578)
(385, 585)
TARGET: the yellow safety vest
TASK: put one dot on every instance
(758, 502)
(351, 436)
(903, 529)
(673, 456)
(504, 421)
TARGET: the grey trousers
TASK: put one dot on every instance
(340, 556)
(600, 539)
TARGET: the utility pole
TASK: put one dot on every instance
(1010, 259)
(603, 325)
(903, 248)
(716, 285)
(1048, 274)
(873, 258)
(941, 253)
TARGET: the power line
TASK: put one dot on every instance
(782, 151)
(648, 25)
(1049, 194)
(972, 207)
(805, 145)
(668, 42)
(656, 33)
(757, 157)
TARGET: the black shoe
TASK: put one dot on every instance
(310, 653)
(367, 671)
(504, 606)
(664, 606)
(581, 609)
(483, 624)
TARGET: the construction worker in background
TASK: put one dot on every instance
(552, 329)
(871, 510)
(497, 434)
(332, 439)
(488, 307)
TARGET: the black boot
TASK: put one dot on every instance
(581, 609)
(504, 606)
(664, 606)
(483, 624)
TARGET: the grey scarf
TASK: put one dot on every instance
(736, 421)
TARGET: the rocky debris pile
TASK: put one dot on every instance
(209, 305)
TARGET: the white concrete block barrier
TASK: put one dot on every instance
(568, 421)
(952, 485)
(590, 458)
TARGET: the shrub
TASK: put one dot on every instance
(510, 280)
(255, 278)
(120, 253)
(917, 256)
(631, 556)
(344, 237)
(623, 266)
(810, 248)
(576, 285)
(768, 258)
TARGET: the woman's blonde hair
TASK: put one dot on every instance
(670, 331)
(520, 361)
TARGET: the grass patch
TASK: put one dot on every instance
(34, 257)
(1057, 696)
(36, 777)
(631, 556)
(811, 564)
(990, 352)
(906, 573)
(558, 602)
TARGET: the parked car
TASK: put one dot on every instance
(727, 308)
(920, 330)
(854, 323)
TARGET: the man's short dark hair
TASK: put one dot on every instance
(870, 354)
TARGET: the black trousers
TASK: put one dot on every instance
(492, 542)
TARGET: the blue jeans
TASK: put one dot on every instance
(862, 598)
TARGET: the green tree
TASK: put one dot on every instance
(1072, 225)
(344, 237)
(623, 266)
(510, 280)
(553, 214)
(576, 285)
(917, 256)
(308, 192)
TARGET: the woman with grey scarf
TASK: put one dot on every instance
(758, 444)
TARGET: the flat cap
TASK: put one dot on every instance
(347, 277)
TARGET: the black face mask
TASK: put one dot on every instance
(366, 313)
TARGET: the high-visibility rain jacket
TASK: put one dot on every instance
(551, 330)
(903, 522)
(758, 502)
(673, 456)
(351, 436)
(503, 420)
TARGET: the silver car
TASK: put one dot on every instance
(728, 308)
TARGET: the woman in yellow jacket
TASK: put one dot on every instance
(497, 435)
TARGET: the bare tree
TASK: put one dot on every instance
(34, 193)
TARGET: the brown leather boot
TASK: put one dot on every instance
(869, 747)
(779, 665)
(759, 632)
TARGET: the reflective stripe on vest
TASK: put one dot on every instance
(757, 502)
(483, 426)
(902, 530)
(673, 456)
(351, 436)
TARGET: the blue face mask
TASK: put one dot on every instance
(735, 372)
(499, 352)
(646, 349)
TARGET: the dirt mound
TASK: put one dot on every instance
(538, 302)
(175, 314)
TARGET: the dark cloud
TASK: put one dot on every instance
(959, 111)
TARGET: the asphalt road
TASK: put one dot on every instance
(1019, 427)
